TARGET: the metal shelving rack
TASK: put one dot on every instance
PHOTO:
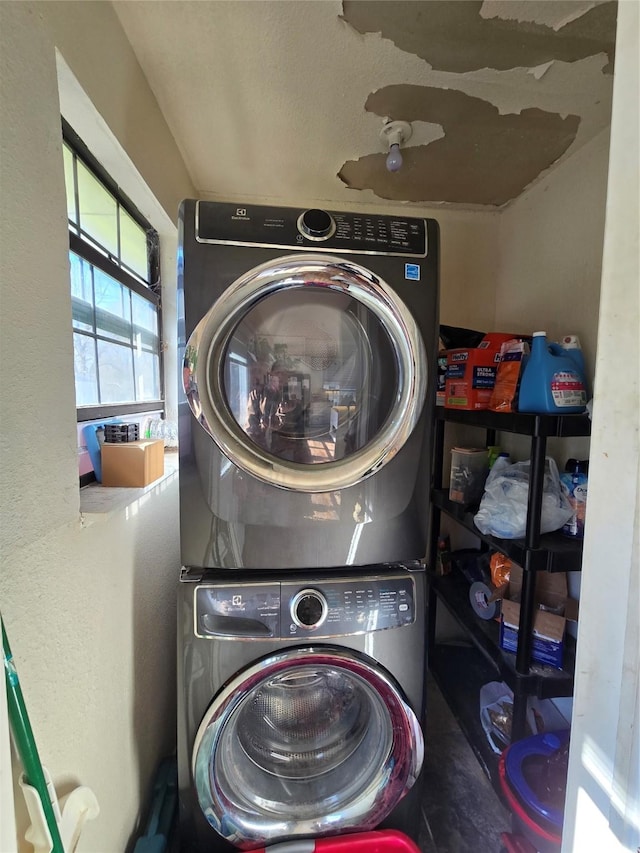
(460, 671)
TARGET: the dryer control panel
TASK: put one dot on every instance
(319, 610)
(311, 229)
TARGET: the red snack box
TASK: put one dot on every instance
(471, 373)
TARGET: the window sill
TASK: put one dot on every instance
(98, 502)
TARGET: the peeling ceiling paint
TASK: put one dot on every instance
(452, 36)
(556, 15)
(489, 167)
(487, 156)
(282, 102)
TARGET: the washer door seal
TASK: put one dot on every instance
(207, 345)
(305, 742)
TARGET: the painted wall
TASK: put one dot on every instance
(550, 256)
(549, 269)
(89, 607)
(603, 798)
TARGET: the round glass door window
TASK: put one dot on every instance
(310, 375)
(308, 372)
(305, 743)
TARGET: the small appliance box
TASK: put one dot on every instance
(550, 619)
(471, 373)
(133, 464)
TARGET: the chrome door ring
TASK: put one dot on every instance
(207, 345)
(390, 781)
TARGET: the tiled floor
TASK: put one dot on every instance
(461, 812)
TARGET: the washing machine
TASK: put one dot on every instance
(300, 704)
(308, 345)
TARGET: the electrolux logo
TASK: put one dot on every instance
(241, 213)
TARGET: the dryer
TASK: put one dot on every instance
(308, 345)
(300, 702)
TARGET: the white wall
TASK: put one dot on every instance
(550, 256)
(549, 269)
(603, 797)
(89, 608)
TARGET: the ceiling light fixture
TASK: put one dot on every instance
(394, 134)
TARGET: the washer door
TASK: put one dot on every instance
(309, 373)
(309, 741)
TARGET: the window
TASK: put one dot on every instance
(115, 292)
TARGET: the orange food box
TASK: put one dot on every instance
(471, 373)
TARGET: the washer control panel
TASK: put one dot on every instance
(323, 609)
(311, 229)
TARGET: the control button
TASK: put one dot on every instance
(316, 224)
(309, 608)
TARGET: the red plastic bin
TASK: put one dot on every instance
(380, 841)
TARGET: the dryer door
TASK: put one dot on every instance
(306, 742)
(309, 373)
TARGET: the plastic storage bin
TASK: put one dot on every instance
(380, 841)
(469, 469)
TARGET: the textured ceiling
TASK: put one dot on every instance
(284, 101)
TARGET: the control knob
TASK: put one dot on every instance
(309, 608)
(316, 224)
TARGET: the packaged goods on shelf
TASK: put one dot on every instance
(553, 608)
(505, 391)
(496, 714)
(471, 373)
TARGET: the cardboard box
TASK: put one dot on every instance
(133, 464)
(549, 623)
(471, 373)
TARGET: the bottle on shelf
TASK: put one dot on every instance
(552, 381)
(574, 481)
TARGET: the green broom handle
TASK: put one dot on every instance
(25, 742)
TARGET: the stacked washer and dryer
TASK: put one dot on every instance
(308, 345)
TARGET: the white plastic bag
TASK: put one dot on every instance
(503, 508)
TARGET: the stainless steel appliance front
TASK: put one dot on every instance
(305, 426)
(307, 723)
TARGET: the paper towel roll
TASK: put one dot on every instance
(479, 595)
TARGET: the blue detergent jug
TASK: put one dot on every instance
(570, 345)
(553, 382)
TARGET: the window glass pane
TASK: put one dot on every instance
(116, 373)
(133, 245)
(84, 362)
(147, 369)
(70, 184)
(81, 293)
(145, 314)
(98, 210)
(113, 307)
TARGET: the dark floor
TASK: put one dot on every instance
(461, 812)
